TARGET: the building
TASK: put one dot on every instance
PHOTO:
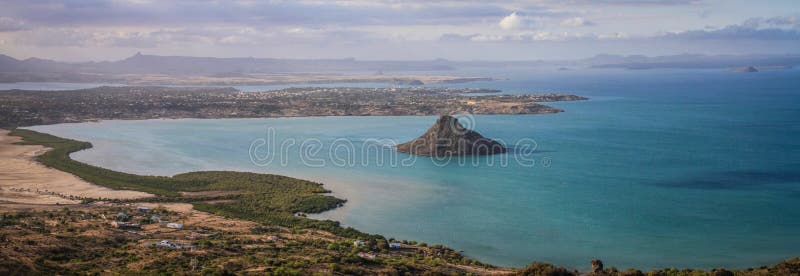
(366, 255)
(272, 238)
(143, 209)
(122, 215)
(155, 218)
(359, 243)
(174, 225)
(176, 245)
(395, 245)
(125, 225)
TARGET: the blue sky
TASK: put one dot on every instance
(397, 30)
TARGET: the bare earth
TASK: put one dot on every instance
(23, 180)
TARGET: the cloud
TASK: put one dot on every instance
(576, 22)
(510, 22)
(261, 13)
(529, 36)
(55, 38)
(736, 32)
(641, 2)
(8, 24)
(763, 29)
(783, 21)
(189, 37)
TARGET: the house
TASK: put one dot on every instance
(122, 215)
(359, 243)
(272, 238)
(174, 225)
(143, 209)
(395, 245)
(155, 218)
(125, 225)
(166, 243)
(176, 245)
(366, 255)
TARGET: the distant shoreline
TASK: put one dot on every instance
(32, 107)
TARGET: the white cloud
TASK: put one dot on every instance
(576, 22)
(512, 21)
(8, 24)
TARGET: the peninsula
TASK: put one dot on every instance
(27, 108)
(447, 137)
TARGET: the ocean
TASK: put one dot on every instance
(660, 168)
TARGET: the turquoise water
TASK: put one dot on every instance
(683, 168)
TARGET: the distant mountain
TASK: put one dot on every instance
(36, 69)
(180, 65)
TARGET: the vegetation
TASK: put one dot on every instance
(265, 198)
(272, 200)
(28, 107)
(283, 243)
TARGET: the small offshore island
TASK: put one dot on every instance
(447, 137)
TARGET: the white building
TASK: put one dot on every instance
(174, 225)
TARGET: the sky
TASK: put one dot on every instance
(96, 30)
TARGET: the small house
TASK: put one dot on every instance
(359, 243)
(155, 218)
(366, 255)
(143, 209)
(174, 225)
(395, 245)
(272, 238)
(176, 245)
(125, 225)
(122, 215)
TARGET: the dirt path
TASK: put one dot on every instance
(23, 180)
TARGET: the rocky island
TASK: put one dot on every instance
(447, 137)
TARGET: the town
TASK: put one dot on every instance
(26, 108)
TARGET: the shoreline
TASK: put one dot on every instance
(208, 207)
(31, 107)
(27, 181)
(537, 266)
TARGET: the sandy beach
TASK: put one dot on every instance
(23, 180)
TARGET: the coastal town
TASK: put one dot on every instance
(26, 108)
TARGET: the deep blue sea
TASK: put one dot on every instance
(660, 168)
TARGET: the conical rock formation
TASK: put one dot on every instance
(447, 137)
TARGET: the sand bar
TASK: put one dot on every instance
(23, 180)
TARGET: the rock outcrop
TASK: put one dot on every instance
(447, 137)
(746, 69)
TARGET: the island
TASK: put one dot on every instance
(447, 137)
(745, 69)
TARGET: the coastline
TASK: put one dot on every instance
(28, 181)
(207, 204)
(536, 268)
